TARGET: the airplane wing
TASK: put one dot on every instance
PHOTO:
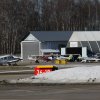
(11, 61)
(90, 59)
(31, 59)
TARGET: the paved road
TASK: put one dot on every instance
(49, 92)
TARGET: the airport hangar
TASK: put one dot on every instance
(38, 43)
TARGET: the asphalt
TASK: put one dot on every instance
(49, 92)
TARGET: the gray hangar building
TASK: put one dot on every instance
(38, 43)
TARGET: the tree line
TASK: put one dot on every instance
(19, 17)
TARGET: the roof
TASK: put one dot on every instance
(52, 35)
(85, 36)
(50, 50)
(43, 36)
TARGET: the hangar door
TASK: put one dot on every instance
(30, 49)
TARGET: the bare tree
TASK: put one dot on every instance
(18, 17)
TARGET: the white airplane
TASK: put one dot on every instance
(90, 59)
(66, 57)
(9, 60)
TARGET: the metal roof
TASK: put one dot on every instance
(52, 35)
(43, 36)
(50, 50)
(85, 36)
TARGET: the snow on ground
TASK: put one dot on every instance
(69, 75)
(73, 75)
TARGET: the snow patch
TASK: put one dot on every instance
(73, 75)
(69, 75)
